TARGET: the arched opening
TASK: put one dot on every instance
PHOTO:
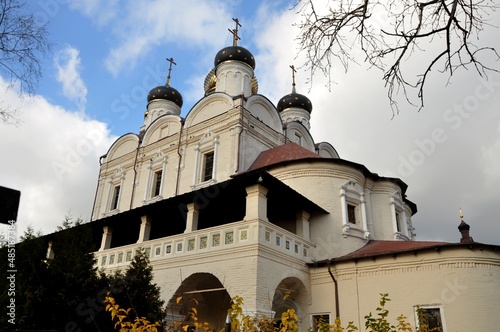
(204, 292)
(289, 294)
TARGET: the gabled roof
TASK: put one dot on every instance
(381, 247)
(376, 248)
(286, 152)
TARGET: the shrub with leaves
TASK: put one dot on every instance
(253, 323)
(123, 321)
(380, 323)
(135, 288)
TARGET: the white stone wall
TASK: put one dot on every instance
(323, 183)
(459, 280)
(252, 266)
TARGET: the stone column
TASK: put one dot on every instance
(107, 234)
(256, 203)
(145, 229)
(303, 224)
(50, 252)
(364, 220)
(192, 217)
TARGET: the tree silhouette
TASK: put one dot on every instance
(23, 43)
(135, 289)
(388, 34)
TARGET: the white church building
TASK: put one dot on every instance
(236, 198)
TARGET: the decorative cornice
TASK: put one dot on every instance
(334, 173)
(347, 270)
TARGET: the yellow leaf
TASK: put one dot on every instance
(179, 299)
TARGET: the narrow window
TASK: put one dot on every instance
(429, 319)
(156, 184)
(320, 321)
(351, 213)
(208, 166)
(398, 221)
(298, 139)
(116, 196)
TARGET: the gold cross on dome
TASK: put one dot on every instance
(171, 60)
(235, 32)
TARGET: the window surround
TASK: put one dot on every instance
(115, 181)
(157, 164)
(430, 306)
(315, 317)
(399, 220)
(208, 143)
(352, 194)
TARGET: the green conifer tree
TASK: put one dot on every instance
(135, 289)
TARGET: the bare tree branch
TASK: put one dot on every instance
(9, 115)
(23, 43)
(388, 33)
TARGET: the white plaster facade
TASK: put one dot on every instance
(457, 280)
(250, 226)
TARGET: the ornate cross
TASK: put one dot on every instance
(235, 32)
(171, 60)
(293, 78)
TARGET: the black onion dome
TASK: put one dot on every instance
(463, 226)
(165, 92)
(237, 53)
(294, 100)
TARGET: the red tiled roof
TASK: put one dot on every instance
(379, 247)
(285, 152)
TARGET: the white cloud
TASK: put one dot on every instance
(67, 63)
(491, 159)
(354, 116)
(459, 170)
(101, 12)
(138, 31)
(52, 158)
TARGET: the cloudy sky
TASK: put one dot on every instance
(108, 55)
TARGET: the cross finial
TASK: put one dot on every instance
(293, 78)
(171, 60)
(461, 215)
(235, 32)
